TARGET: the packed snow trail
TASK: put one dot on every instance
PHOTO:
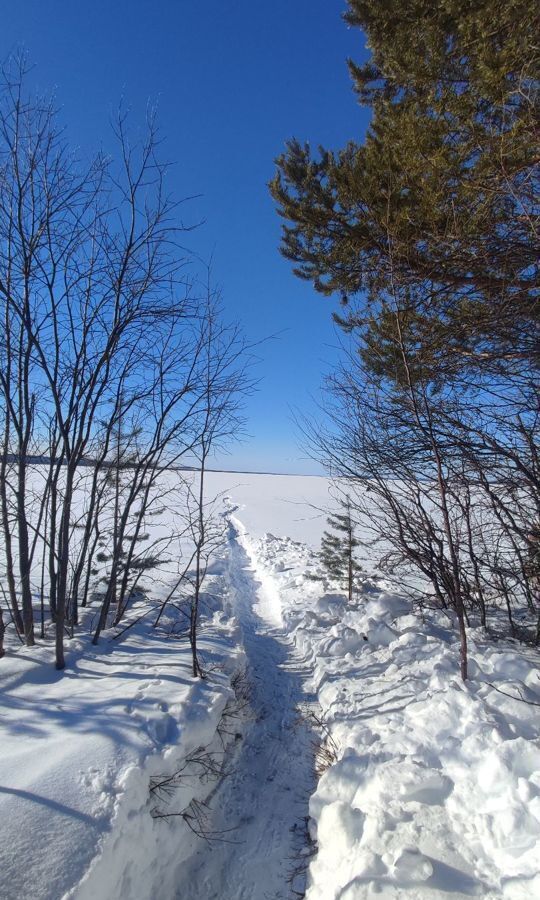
(265, 797)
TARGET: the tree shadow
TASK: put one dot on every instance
(53, 805)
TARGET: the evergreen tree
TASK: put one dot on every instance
(428, 233)
(441, 195)
(338, 550)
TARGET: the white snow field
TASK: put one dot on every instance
(428, 788)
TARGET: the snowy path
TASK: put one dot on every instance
(265, 798)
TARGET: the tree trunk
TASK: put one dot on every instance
(63, 565)
(194, 618)
(24, 555)
(8, 549)
(350, 561)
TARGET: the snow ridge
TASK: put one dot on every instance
(437, 787)
(79, 750)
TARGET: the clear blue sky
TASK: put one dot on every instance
(234, 79)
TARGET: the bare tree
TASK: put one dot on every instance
(224, 382)
(91, 281)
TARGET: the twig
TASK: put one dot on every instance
(521, 697)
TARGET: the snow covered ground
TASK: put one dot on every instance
(264, 801)
(430, 788)
(434, 786)
(78, 750)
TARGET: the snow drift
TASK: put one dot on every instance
(436, 786)
(79, 749)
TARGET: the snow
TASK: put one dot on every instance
(436, 786)
(291, 505)
(265, 798)
(79, 749)
(428, 787)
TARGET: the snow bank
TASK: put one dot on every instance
(79, 749)
(435, 789)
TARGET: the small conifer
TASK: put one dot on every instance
(338, 550)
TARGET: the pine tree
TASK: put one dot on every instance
(338, 550)
(441, 195)
(427, 231)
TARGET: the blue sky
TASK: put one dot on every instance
(233, 80)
